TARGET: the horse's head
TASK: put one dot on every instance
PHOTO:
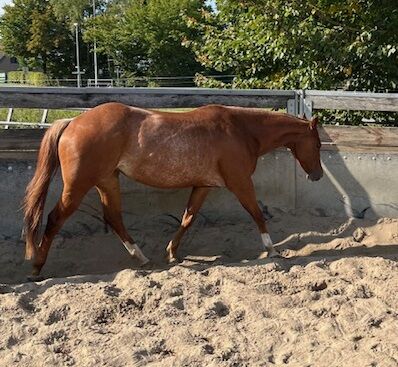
(306, 149)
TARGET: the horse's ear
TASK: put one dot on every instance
(314, 122)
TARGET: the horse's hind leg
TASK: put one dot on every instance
(198, 196)
(109, 191)
(67, 204)
(245, 193)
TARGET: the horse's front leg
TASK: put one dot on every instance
(244, 191)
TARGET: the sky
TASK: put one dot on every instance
(2, 3)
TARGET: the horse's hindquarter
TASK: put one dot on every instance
(173, 150)
(90, 148)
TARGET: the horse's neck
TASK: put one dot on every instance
(274, 130)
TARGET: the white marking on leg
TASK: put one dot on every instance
(268, 245)
(170, 257)
(135, 251)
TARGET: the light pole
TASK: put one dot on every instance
(95, 54)
(77, 55)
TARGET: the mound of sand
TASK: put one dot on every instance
(332, 301)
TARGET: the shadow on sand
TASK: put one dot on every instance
(206, 245)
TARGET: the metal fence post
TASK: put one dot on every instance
(43, 118)
(9, 116)
(308, 109)
(292, 107)
(301, 94)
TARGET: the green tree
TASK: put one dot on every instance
(319, 44)
(146, 37)
(72, 11)
(30, 31)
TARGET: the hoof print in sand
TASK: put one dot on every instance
(57, 315)
(104, 316)
(112, 291)
(318, 286)
(176, 302)
(274, 287)
(25, 301)
(216, 310)
(56, 336)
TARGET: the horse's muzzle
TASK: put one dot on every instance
(315, 175)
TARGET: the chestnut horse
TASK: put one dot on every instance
(211, 146)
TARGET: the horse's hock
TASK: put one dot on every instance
(359, 181)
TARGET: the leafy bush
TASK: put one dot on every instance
(16, 77)
(36, 78)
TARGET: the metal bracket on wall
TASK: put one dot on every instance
(301, 96)
(308, 109)
(303, 106)
(292, 107)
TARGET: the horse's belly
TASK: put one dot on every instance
(171, 172)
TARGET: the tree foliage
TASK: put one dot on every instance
(319, 44)
(72, 11)
(30, 31)
(146, 37)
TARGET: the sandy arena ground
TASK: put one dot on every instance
(332, 301)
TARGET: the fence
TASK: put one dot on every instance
(301, 102)
(21, 79)
(361, 163)
(296, 102)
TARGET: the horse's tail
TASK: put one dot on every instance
(36, 192)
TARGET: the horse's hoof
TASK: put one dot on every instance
(34, 278)
(275, 255)
(172, 260)
(144, 261)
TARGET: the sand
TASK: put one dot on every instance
(332, 301)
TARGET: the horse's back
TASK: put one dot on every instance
(186, 149)
(175, 150)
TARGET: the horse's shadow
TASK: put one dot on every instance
(207, 244)
(327, 244)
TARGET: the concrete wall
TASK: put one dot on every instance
(354, 184)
